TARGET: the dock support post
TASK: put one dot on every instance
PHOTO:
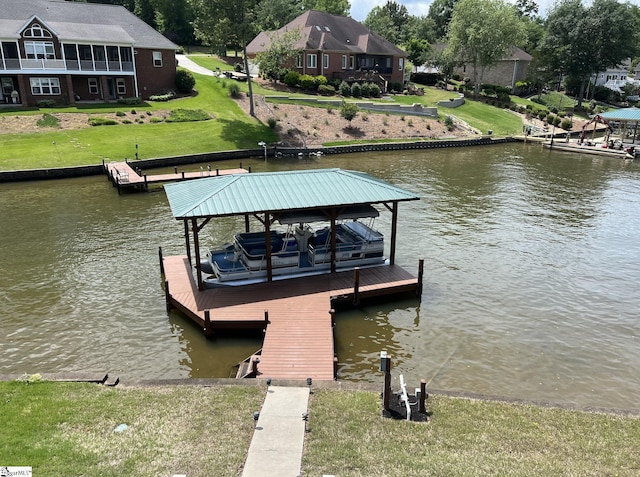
(385, 367)
(356, 286)
(146, 184)
(266, 319)
(335, 367)
(183, 175)
(208, 330)
(423, 397)
(161, 260)
(332, 312)
(420, 278)
(167, 295)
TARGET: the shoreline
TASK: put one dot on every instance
(98, 169)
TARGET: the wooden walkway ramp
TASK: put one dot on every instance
(123, 175)
(298, 340)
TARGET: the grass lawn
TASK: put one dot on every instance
(70, 429)
(229, 129)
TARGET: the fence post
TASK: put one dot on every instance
(420, 278)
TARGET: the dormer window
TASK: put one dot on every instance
(36, 31)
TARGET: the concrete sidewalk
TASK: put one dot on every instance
(276, 447)
(186, 63)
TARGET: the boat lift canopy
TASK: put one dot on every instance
(289, 197)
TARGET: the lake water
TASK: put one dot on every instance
(532, 271)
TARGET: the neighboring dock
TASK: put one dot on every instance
(124, 176)
(296, 314)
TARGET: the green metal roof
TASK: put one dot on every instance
(238, 194)
(626, 114)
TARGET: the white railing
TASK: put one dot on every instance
(68, 65)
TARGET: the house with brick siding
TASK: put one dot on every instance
(69, 52)
(338, 47)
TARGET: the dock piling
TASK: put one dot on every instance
(420, 278)
(356, 286)
(208, 329)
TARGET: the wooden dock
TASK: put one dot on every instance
(296, 314)
(124, 176)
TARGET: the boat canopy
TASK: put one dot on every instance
(311, 216)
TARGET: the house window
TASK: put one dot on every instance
(36, 31)
(39, 50)
(121, 87)
(157, 59)
(325, 61)
(299, 61)
(40, 86)
(312, 60)
(344, 62)
(401, 64)
(351, 62)
(93, 85)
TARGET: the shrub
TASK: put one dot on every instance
(542, 114)
(120, 113)
(46, 103)
(155, 120)
(162, 97)
(186, 115)
(272, 122)
(102, 122)
(307, 82)
(349, 111)
(234, 90)
(320, 81)
(48, 121)
(356, 90)
(566, 124)
(345, 89)
(557, 120)
(448, 122)
(366, 90)
(292, 78)
(126, 121)
(133, 111)
(326, 90)
(185, 81)
(395, 86)
(374, 90)
(237, 67)
(429, 79)
(130, 101)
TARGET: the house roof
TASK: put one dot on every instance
(323, 31)
(279, 192)
(513, 54)
(73, 22)
(625, 114)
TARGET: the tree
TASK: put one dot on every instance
(440, 12)
(389, 21)
(222, 24)
(174, 19)
(349, 111)
(280, 52)
(481, 33)
(444, 60)
(581, 41)
(335, 7)
(417, 51)
(274, 14)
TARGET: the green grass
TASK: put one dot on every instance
(465, 438)
(69, 429)
(231, 129)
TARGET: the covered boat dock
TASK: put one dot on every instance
(296, 314)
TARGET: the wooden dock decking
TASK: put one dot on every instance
(298, 341)
(122, 175)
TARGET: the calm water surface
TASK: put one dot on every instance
(531, 288)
